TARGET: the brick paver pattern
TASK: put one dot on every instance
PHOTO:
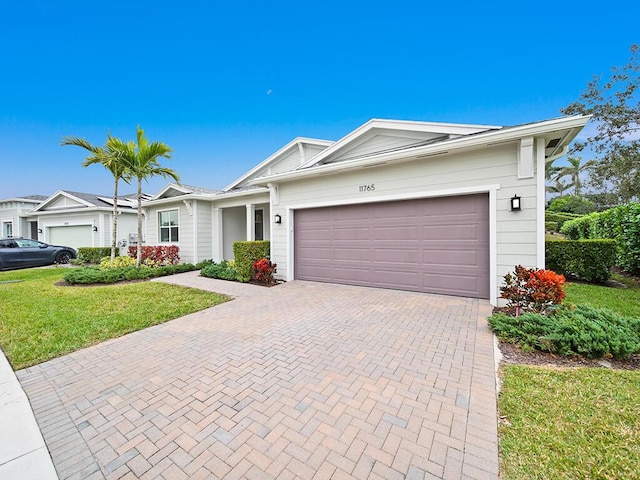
(304, 380)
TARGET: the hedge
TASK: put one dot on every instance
(94, 254)
(559, 217)
(92, 275)
(588, 260)
(620, 223)
(247, 253)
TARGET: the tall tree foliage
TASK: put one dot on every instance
(143, 163)
(615, 105)
(573, 170)
(110, 156)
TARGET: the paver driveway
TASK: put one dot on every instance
(304, 380)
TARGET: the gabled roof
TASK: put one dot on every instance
(298, 143)
(557, 132)
(172, 190)
(416, 133)
(86, 200)
(35, 199)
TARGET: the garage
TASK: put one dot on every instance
(434, 245)
(71, 236)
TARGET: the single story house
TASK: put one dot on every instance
(78, 219)
(13, 216)
(436, 207)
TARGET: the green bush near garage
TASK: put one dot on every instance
(247, 253)
(96, 275)
(94, 254)
(588, 260)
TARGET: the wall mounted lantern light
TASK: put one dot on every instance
(95, 229)
(277, 218)
(39, 230)
(516, 204)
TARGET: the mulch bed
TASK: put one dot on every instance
(512, 354)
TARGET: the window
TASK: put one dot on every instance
(7, 229)
(259, 225)
(168, 222)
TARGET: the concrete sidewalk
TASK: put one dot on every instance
(23, 453)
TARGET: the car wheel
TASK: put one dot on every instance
(63, 257)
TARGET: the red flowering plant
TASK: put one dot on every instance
(262, 271)
(532, 290)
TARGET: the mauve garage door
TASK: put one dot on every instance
(434, 245)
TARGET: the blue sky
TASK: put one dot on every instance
(225, 84)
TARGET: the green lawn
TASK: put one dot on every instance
(573, 423)
(625, 301)
(567, 424)
(40, 321)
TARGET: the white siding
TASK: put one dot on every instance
(377, 142)
(515, 233)
(203, 228)
(234, 221)
(287, 162)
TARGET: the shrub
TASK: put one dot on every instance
(620, 223)
(572, 204)
(222, 270)
(160, 254)
(263, 270)
(551, 226)
(94, 254)
(586, 331)
(588, 260)
(246, 254)
(117, 262)
(532, 290)
(559, 218)
(92, 275)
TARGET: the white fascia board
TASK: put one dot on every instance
(240, 193)
(21, 200)
(63, 212)
(482, 139)
(188, 196)
(273, 157)
(375, 123)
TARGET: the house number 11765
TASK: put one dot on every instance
(366, 188)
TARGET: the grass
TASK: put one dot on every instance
(566, 424)
(573, 423)
(40, 321)
(625, 301)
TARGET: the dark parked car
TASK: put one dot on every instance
(22, 253)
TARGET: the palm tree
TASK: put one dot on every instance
(559, 187)
(573, 170)
(111, 158)
(143, 163)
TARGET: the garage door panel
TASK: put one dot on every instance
(438, 245)
(74, 236)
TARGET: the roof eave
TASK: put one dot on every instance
(573, 124)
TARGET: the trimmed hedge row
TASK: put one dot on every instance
(559, 218)
(89, 275)
(247, 253)
(588, 260)
(620, 223)
(94, 254)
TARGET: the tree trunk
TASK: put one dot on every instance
(114, 230)
(139, 257)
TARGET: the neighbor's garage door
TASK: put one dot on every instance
(75, 236)
(435, 245)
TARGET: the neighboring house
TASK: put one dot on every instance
(394, 204)
(78, 219)
(13, 216)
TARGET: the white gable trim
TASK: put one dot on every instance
(298, 141)
(62, 193)
(506, 135)
(171, 186)
(399, 125)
